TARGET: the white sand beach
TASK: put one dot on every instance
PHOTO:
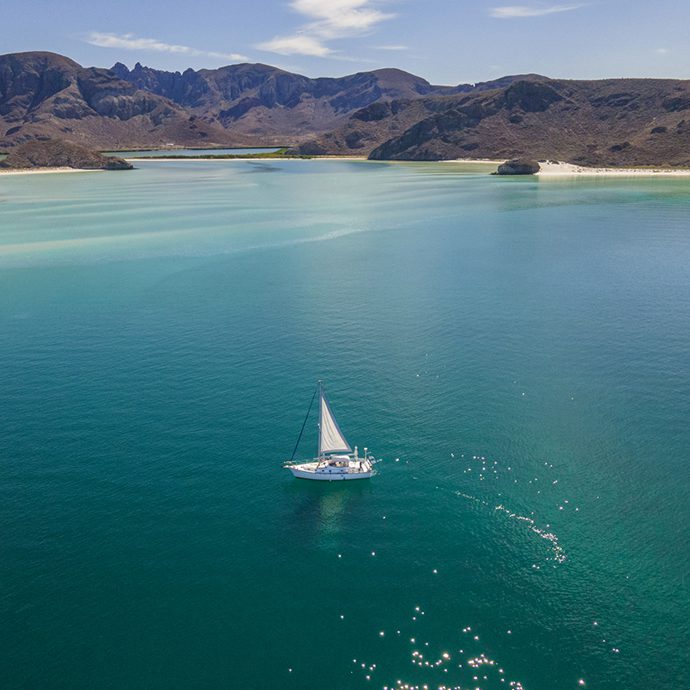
(556, 169)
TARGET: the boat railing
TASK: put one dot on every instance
(364, 465)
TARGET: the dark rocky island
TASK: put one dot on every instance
(518, 166)
(60, 154)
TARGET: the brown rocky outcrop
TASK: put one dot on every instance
(60, 154)
(518, 166)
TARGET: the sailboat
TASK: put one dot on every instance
(335, 460)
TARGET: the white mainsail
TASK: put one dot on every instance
(331, 439)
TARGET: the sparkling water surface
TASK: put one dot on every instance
(515, 350)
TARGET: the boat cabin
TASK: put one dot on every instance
(338, 461)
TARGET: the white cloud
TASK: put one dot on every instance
(338, 18)
(662, 51)
(300, 44)
(392, 48)
(519, 11)
(132, 42)
(330, 20)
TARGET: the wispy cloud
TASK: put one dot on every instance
(396, 47)
(661, 51)
(133, 42)
(329, 20)
(519, 11)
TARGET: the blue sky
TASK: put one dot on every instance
(445, 41)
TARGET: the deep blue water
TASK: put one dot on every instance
(516, 352)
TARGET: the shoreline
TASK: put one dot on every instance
(482, 161)
(548, 170)
(43, 171)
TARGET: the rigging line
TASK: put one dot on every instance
(299, 438)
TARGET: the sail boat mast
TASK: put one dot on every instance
(320, 388)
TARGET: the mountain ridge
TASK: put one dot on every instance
(384, 114)
(251, 96)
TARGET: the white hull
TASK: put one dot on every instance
(328, 473)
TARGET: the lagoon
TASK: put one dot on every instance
(190, 153)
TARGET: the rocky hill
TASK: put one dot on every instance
(618, 122)
(60, 154)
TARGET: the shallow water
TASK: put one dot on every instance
(515, 350)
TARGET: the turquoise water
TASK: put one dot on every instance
(158, 153)
(515, 350)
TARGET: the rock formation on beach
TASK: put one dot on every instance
(60, 154)
(518, 166)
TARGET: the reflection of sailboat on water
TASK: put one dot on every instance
(335, 460)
